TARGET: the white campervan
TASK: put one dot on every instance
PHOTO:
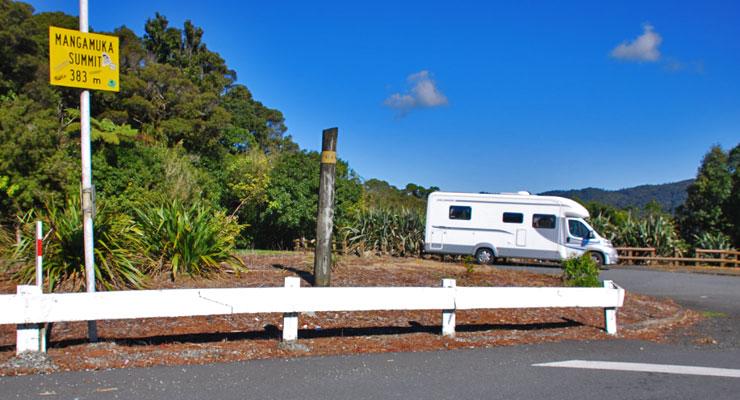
(518, 225)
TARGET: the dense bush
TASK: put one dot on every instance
(581, 271)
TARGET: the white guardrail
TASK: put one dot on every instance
(30, 309)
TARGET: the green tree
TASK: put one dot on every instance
(253, 123)
(185, 49)
(732, 204)
(293, 196)
(35, 155)
(381, 194)
(292, 201)
(703, 210)
(18, 51)
(166, 106)
(247, 182)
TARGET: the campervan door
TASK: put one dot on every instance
(531, 227)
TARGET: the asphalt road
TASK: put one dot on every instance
(496, 373)
(705, 292)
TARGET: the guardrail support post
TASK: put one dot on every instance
(448, 316)
(610, 314)
(290, 319)
(30, 337)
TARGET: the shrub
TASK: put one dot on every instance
(581, 271)
(469, 263)
(192, 240)
(119, 255)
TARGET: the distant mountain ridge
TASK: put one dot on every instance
(668, 195)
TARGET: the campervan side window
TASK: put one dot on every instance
(577, 229)
(460, 212)
(543, 221)
(513, 218)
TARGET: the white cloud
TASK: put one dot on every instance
(674, 65)
(423, 93)
(643, 48)
(400, 101)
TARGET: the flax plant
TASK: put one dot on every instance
(193, 240)
(380, 231)
(120, 261)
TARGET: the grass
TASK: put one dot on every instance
(713, 314)
(260, 252)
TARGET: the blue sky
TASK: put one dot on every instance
(479, 96)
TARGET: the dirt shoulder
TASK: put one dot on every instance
(201, 340)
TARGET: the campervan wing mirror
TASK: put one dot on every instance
(591, 235)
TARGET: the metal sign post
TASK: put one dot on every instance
(87, 190)
(88, 61)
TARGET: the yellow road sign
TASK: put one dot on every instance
(83, 60)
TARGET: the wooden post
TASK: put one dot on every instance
(325, 220)
(697, 255)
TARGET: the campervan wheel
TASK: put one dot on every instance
(597, 257)
(484, 256)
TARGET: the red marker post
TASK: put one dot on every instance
(39, 255)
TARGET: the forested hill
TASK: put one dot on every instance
(668, 195)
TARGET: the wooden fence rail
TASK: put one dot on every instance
(725, 258)
(632, 254)
(304, 244)
(709, 257)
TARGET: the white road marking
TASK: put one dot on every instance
(641, 367)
